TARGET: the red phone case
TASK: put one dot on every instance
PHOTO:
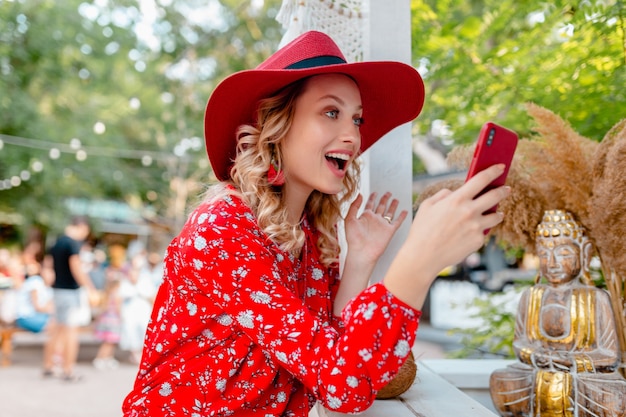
(495, 145)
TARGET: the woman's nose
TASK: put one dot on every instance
(350, 132)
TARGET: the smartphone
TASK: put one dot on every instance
(495, 145)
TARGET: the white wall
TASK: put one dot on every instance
(388, 164)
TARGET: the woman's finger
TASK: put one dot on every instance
(480, 181)
(489, 200)
(398, 220)
(369, 205)
(382, 204)
(491, 220)
(354, 207)
(391, 210)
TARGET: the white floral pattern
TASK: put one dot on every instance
(240, 328)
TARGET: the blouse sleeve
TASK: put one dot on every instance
(230, 264)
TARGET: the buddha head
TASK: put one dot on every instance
(563, 248)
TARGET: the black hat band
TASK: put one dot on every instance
(317, 61)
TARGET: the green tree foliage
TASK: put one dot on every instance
(125, 84)
(484, 59)
(494, 336)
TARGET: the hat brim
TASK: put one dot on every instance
(392, 94)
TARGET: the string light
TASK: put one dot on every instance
(25, 175)
(81, 152)
(57, 148)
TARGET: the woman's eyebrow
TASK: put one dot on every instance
(338, 100)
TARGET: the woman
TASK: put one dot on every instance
(253, 317)
(34, 304)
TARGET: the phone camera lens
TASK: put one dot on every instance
(492, 133)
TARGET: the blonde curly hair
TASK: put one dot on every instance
(258, 146)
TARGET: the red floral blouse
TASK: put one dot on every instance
(241, 328)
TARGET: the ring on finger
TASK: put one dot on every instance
(388, 218)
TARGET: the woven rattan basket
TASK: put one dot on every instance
(402, 382)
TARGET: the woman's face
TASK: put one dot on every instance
(324, 137)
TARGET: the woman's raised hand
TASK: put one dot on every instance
(368, 234)
(446, 229)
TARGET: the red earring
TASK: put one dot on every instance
(275, 176)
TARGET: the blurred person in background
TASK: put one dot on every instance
(109, 320)
(71, 290)
(34, 300)
(154, 268)
(5, 259)
(97, 267)
(137, 293)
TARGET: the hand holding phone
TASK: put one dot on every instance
(495, 145)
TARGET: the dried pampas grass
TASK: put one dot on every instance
(550, 170)
(564, 164)
(608, 199)
(607, 220)
(523, 210)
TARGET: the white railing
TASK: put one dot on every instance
(442, 388)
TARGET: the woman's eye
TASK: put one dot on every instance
(358, 121)
(332, 114)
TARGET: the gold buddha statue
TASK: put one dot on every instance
(565, 336)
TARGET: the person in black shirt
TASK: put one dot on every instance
(71, 303)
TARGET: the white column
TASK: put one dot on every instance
(388, 164)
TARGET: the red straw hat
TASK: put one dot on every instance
(392, 93)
